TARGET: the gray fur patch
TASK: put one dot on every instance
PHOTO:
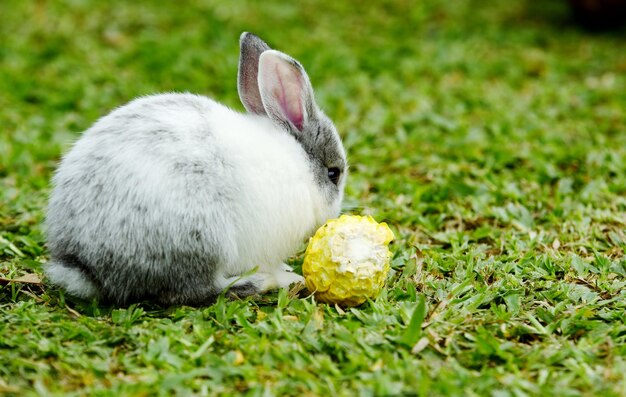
(168, 276)
(74, 262)
(323, 146)
(243, 290)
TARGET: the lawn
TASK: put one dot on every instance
(490, 136)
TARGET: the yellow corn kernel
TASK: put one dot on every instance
(347, 260)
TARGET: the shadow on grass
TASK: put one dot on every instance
(597, 17)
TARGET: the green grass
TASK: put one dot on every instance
(491, 138)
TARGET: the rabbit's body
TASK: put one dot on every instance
(174, 197)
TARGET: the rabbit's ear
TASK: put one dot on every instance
(251, 48)
(285, 90)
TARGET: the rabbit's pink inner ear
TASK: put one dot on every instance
(286, 87)
(287, 92)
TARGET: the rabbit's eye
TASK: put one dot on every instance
(333, 174)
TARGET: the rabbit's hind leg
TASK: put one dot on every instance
(72, 278)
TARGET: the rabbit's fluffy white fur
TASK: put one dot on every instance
(176, 197)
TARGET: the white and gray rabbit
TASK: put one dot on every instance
(173, 198)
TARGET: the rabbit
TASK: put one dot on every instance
(175, 198)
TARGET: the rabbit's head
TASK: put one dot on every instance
(273, 84)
